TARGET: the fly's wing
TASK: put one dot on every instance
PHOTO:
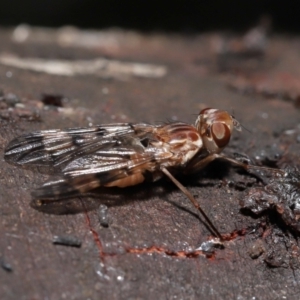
(56, 148)
(87, 158)
(112, 167)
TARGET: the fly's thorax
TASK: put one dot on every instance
(215, 128)
(180, 140)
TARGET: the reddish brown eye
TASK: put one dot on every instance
(221, 134)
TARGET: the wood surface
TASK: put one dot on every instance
(143, 253)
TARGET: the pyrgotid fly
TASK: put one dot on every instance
(126, 154)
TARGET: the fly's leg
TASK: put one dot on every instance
(249, 167)
(195, 203)
(201, 163)
(197, 165)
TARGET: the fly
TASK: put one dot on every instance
(125, 154)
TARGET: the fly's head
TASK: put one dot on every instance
(215, 128)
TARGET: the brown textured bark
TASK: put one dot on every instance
(149, 249)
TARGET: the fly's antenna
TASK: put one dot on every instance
(238, 126)
(246, 128)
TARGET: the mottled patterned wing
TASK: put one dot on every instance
(87, 158)
(118, 167)
(58, 147)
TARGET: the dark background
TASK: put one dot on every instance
(182, 16)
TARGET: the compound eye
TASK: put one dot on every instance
(221, 134)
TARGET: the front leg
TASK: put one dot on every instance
(198, 164)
